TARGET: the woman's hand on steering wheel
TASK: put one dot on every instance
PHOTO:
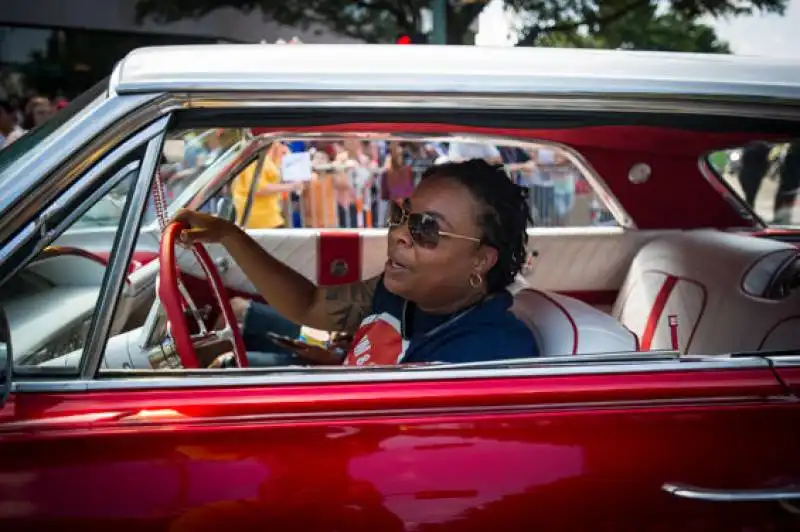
(204, 228)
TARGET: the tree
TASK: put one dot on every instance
(649, 24)
(642, 29)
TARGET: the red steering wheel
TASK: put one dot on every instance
(175, 304)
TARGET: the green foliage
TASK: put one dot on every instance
(642, 29)
(641, 24)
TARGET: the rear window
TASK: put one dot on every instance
(765, 176)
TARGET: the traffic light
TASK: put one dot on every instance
(411, 38)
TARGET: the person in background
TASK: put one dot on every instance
(16, 104)
(753, 168)
(539, 179)
(265, 209)
(464, 151)
(564, 179)
(9, 130)
(397, 180)
(40, 109)
(351, 182)
(320, 210)
(788, 183)
(516, 161)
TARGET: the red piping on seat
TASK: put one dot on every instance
(567, 314)
(655, 313)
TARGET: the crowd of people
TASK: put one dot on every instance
(20, 115)
(353, 181)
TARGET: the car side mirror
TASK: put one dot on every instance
(6, 358)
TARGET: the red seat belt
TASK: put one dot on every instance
(655, 313)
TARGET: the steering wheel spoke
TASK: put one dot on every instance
(176, 301)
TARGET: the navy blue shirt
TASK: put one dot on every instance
(485, 332)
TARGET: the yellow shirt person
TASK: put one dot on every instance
(265, 211)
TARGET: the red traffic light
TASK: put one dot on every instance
(404, 39)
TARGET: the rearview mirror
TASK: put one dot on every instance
(6, 358)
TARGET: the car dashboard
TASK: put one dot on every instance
(49, 305)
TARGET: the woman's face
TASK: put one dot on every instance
(276, 152)
(42, 111)
(435, 278)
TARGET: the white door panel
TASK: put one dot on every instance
(568, 259)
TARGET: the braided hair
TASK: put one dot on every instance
(505, 215)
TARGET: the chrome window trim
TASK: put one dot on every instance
(122, 251)
(311, 97)
(728, 194)
(46, 235)
(80, 145)
(151, 380)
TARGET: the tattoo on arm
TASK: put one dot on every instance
(349, 304)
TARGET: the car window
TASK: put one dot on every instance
(765, 176)
(50, 303)
(349, 183)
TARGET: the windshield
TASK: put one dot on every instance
(34, 137)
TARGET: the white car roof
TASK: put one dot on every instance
(471, 69)
(460, 69)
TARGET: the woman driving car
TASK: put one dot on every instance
(454, 247)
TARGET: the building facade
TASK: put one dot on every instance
(60, 48)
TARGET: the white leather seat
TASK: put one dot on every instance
(703, 292)
(567, 326)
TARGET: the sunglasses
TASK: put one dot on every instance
(424, 227)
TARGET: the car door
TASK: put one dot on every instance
(603, 442)
(590, 445)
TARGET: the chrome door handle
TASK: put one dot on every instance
(715, 495)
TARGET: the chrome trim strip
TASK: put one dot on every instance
(638, 103)
(722, 188)
(146, 380)
(66, 156)
(122, 252)
(136, 419)
(789, 361)
(719, 495)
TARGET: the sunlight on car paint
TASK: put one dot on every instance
(163, 413)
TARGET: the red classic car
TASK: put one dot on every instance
(666, 393)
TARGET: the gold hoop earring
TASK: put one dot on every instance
(475, 280)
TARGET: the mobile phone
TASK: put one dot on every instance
(287, 341)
